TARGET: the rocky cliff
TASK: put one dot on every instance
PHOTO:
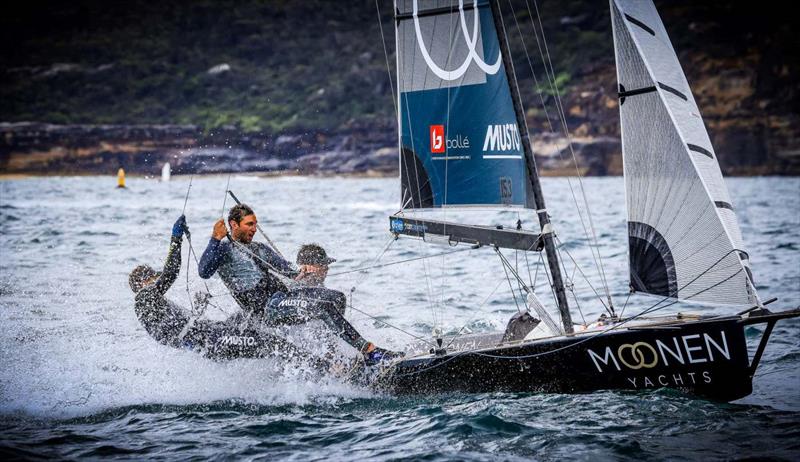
(303, 86)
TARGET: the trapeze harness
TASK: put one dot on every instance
(245, 272)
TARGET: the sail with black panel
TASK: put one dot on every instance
(684, 238)
(460, 143)
(462, 132)
(459, 138)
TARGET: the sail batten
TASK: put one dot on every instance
(684, 238)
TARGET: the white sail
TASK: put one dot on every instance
(166, 172)
(684, 238)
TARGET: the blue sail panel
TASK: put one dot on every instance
(459, 137)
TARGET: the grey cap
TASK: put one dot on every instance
(313, 254)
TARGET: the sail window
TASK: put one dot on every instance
(640, 24)
(723, 205)
(696, 148)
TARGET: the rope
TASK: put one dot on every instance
(551, 79)
(513, 294)
(561, 244)
(365, 268)
(563, 119)
(649, 310)
(225, 198)
(458, 334)
(386, 56)
(258, 227)
(374, 318)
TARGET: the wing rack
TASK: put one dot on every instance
(468, 234)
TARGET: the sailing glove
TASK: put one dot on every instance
(379, 354)
(180, 227)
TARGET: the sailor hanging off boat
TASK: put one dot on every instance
(310, 300)
(174, 326)
(251, 270)
(254, 273)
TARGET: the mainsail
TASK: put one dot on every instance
(459, 137)
(684, 239)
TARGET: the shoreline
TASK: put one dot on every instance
(356, 175)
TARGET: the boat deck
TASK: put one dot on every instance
(481, 341)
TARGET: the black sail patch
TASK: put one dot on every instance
(651, 264)
(414, 181)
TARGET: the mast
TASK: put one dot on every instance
(541, 209)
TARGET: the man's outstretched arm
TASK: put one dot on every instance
(173, 265)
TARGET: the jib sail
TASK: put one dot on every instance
(684, 238)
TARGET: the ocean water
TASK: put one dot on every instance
(79, 377)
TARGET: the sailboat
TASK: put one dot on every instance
(464, 143)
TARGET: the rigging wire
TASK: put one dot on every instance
(513, 294)
(563, 119)
(423, 257)
(551, 79)
(626, 303)
(653, 308)
(386, 56)
(570, 286)
(600, 298)
(527, 134)
(375, 318)
(375, 260)
(485, 300)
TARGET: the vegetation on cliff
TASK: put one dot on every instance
(298, 66)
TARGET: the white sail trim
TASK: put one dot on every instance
(674, 186)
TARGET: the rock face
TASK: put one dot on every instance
(46, 149)
(303, 86)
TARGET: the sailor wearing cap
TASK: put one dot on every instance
(311, 300)
(313, 262)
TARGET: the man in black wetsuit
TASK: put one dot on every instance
(310, 299)
(171, 325)
(251, 270)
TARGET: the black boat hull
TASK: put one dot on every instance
(707, 358)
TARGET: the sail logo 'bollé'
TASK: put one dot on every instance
(440, 144)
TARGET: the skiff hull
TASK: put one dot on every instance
(707, 358)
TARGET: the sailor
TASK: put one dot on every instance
(311, 300)
(171, 325)
(251, 270)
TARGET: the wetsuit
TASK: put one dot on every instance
(304, 304)
(171, 325)
(244, 271)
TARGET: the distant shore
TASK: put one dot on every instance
(41, 149)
